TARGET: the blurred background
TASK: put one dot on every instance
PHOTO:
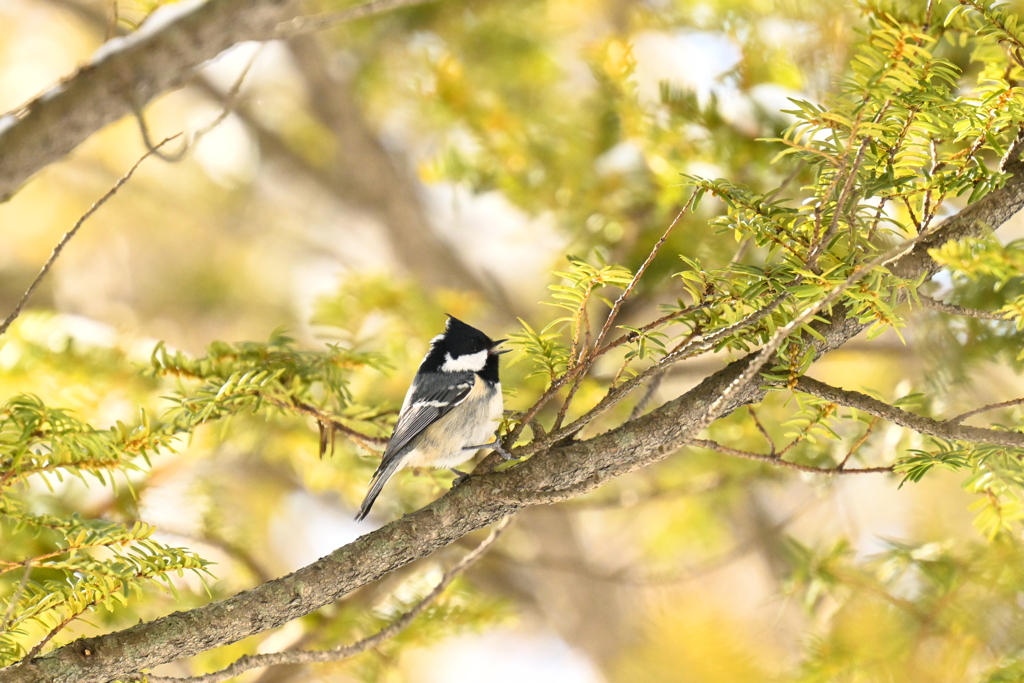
(446, 159)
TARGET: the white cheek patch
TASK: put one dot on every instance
(473, 362)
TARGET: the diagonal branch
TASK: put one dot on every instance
(69, 235)
(561, 472)
(130, 71)
(925, 425)
(984, 409)
(963, 311)
(151, 150)
(249, 662)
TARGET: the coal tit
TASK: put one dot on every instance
(451, 409)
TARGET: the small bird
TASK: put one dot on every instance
(450, 409)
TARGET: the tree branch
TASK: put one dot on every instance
(249, 662)
(155, 149)
(125, 76)
(773, 460)
(963, 311)
(984, 409)
(925, 425)
(562, 471)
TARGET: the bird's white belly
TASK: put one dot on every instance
(471, 423)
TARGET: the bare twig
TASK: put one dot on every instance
(928, 17)
(151, 150)
(772, 460)
(955, 309)
(764, 432)
(984, 409)
(860, 442)
(617, 306)
(652, 388)
(74, 230)
(229, 104)
(249, 662)
(786, 181)
(171, 158)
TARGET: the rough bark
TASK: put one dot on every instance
(925, 425)
(560, 473)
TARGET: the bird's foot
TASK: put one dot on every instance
(494, 446)
(460, 476)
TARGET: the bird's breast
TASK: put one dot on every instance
(471, 423)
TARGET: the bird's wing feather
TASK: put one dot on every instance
(436, 394)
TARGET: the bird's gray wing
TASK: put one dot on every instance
(436, 394)
(432, 397)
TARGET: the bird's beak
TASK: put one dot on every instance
(497, 352)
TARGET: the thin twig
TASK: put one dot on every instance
(249, 662)
(71, 233)
(928, 17)
(150, 151)
(617, 306)
(649, 392)
(230, 99)
(956, 309)
(785, 183)
(171, 158)
(772, 460)
(326, 418)
(860, 442)
(984, 409)
(764, 432)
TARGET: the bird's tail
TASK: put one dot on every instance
(380, 477)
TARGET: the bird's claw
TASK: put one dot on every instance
(494, 446)
(460, 476)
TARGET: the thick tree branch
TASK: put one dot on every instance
(100, 93)
(559, 473)
(925, 425)
(144, 65)
(249, 662)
